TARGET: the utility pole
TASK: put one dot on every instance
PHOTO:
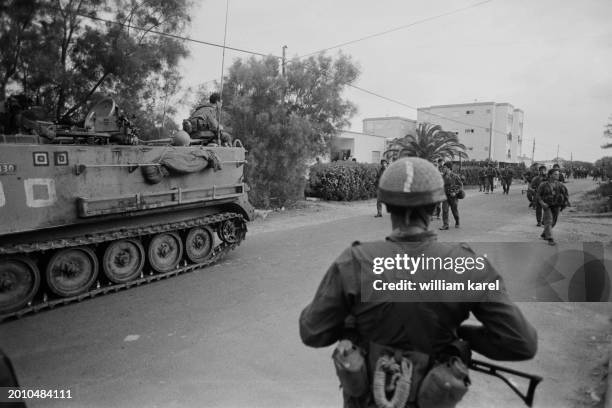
(283, 61)
(490, 138)
(533, 151)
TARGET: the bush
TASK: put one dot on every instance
(598, 200)
(343, 181)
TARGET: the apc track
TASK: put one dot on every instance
(191, 234)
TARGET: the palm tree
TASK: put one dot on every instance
(430, 143)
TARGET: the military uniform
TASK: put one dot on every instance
(506, 179)
(413, 329)
(429, 326)
(555, 195)
(482, 179)
(491, 173)
(452, 185)
(535, 183)
(203, 125)
(381, 170)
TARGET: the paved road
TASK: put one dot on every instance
(227, 336)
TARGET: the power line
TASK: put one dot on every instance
(397, 28)
(175, 36)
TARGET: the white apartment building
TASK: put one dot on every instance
(489, 130)
(390, 127)
(365, 148)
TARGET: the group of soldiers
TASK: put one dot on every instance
(488, 174)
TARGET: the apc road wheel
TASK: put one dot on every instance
(19, 282)
(72, 271)
(231, 231)
(165, 252)
(199, 244)
(123, 260)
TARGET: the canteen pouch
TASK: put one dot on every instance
(444, 385)
(351, 368)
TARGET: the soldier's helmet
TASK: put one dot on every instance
(411, 182)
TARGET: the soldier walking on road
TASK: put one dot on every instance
(490, 173)
(561, 176)
(506, 178)
(412, 333)
(381, 170)
(482, 179)
(535, 183)
(452, 187)
(553, 197)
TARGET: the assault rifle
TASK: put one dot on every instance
(496, 371)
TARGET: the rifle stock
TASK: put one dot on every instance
(495, 370)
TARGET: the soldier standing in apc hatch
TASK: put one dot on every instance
(410, 188)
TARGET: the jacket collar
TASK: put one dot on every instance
(400, 236)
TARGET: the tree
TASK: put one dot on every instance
(76, 53)
(16, 29)
(430, 143)
(608, 133)
(285, 122)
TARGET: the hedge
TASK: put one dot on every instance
(343, 181)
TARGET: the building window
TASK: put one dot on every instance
(488, 110)
(509, 154)
(470, 148)
(486, 148)
(469, 112)
(509, 137)
(376, 156)
(469, 130)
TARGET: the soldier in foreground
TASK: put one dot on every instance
(417, 333)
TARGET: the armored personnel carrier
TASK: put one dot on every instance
(92, 210)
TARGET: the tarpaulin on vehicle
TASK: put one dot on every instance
(182, 162)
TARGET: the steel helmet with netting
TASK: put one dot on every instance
(411, 182)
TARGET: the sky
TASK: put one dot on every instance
(550, 58)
